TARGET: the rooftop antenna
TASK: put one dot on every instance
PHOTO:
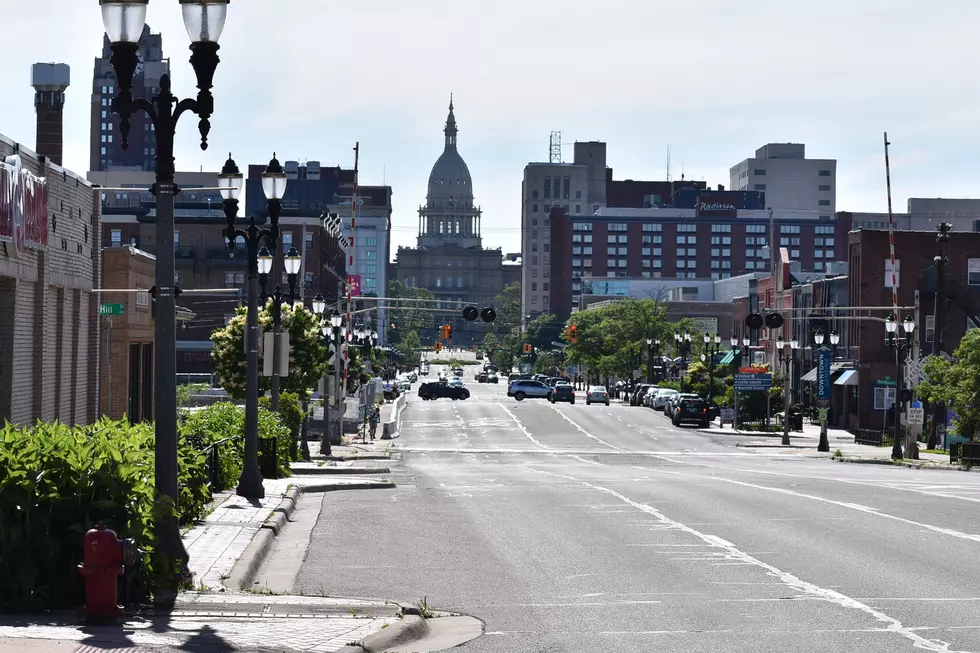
(554, 149)
(668, 164)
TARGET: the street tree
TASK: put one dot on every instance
(307, 352)
(407, 316)
(957, 384)
(411, 348)
(508, 307)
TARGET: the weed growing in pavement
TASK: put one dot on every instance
(838, 453)
(265, 590)
(423, 605)
(201, 587)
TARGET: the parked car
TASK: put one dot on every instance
(636, 397)
(482, 377)
(562, 392)
(597, 394)
(430, 391)
(690, 410)
(649, 396)
(528, 389)
(672, 401)
(660, 399)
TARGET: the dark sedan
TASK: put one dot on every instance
(562, 392)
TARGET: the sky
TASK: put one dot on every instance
(712, 79)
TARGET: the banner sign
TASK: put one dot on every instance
(355, 285)
(823, 374)
(23, 206)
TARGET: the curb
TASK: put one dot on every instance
(367, 456)
(336, 487)
(410, 628)
(946, 467)
(244, 571)
(340, 471)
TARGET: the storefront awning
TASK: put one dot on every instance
(811, 376)
(850, 377)
(727, 358)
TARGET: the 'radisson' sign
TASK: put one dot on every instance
(23, 206)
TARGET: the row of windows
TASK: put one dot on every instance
(762, 172)
(578, 208)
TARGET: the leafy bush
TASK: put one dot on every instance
(223, 424)
(186, 391)
(57, 482)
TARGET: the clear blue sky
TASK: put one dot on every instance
(713, 79)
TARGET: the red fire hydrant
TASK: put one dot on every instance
(103, 560)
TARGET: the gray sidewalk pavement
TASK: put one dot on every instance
(219, 618)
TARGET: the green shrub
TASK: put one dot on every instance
(224, 423)
(57, 482)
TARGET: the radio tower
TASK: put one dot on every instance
(554, 151)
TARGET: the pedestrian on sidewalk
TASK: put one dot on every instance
(375, 418)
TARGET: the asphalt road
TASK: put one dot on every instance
(587, 528)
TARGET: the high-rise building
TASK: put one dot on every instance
(792, 183)
(106, 150)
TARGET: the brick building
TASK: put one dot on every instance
(870, 285)
(126, 374)
(49, 258)
(692, 243)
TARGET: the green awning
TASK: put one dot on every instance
(728, 358)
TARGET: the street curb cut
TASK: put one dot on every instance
(409, 628)
(336, 487)
(341, 471)
(248, 565)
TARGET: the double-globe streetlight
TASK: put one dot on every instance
(333, 330)
(682, 342)
(787, 361)
(653, 352)
(292, 262)
(712, 346)
(204, 21)
(256, 240)
(899, 343)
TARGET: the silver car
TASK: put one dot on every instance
(597, 394)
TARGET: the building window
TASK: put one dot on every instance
(759, 172)
(973, 272)
(578, 194)
(587, 251)
(370, 269)
(759, 187)
(658, 263)
(653, 227)
(884, 397)
(645, 251)
(371, 241)
(116, 237)
(680, 251)
(828, 253)
(689, 228)
(794, 253)
(755, 228)
(308, 279)
(547, 187)
(617, 226)
(576, 251)
(287, 240)
(823, 187)
(581, 226)
(578, 208)
(534, 208)
(721, 228)
(371, 282)
(750, 253)
(234, 279)
(824, 173)
(724, 252)
(823, 202)
(651, 201)
(818, 265)
(534, 194)
(371, 255)
(789, 229)
(566, 189)
(818, 253)
(308, 241)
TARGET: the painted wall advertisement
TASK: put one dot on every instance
(23, 206)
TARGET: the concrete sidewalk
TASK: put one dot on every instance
(224, 549)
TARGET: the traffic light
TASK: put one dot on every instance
(568, 333)
(449, 331)
(488, 314)
(470, 313)
(573, 333)
(437, 346)
(906, 395)
(527, 348)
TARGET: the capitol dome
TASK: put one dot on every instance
(450, 177)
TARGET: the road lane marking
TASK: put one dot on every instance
(582, 430)
(787, 578)
(521, 427)
(843, 504)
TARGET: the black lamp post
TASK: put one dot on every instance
(259, 261)
(683, 345)
(712, 345)
(333, 331)
(124, 21)
(786, 361)
(291, 262)
(899, 344)
(653, 352)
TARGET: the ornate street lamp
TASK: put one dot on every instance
(259, 263)
(124, 21)
(291, 263)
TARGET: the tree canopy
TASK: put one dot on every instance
(409, 316)
(508, 306)
(957, 384)
(307, 360)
